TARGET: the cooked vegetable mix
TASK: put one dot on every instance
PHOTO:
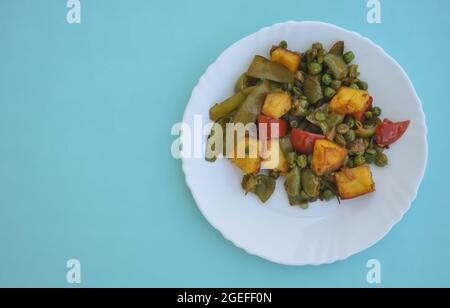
(316, 126)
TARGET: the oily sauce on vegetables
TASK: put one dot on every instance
(318, 119)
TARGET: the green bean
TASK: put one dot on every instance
(310, 183)
(337, 66)
(230, 105)
(293, 182)
(250, 109)
(265, 69)
(262, 185)
(241, 84)
(318, 46)
(381, 160)
(349, 57)
(338, 48)
(286, 145)
(312, 89)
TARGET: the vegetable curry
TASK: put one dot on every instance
(328, 130)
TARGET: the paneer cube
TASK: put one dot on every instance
(327, 157)
(274, 158)
(277, 104)
(288, 58)
(246, 155)
(355, 182)
(349, 101)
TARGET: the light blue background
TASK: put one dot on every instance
(85, 164)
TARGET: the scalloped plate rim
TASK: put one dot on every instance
(356, 251)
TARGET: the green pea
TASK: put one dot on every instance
(350, 121)
(343, 129)
(349, 57)
(371, 151)
(274, 175)
(317, 46)
(379, 149)
(292, 159)
(359, 160)
(329, 92)
(353, 71)
(300, 77)
(381, 160)
(370, 159)
(368, 115)
(294, 123)
(304, 102)
(320, 59)
(350, 163)
(354, 86)
(340, 139)
(328, 195)
(336, 84)
(326, 79)
(350, 136)
(363, 85)
(303, 65)
(376, 111)
(302, 161)
(311, 54)
(297, 91)
(322, 53)
(314, 68)
(358, 147)
(283, 44)
(320, 116)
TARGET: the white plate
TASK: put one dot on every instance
(326, 232)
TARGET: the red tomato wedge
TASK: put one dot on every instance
(303, 141)
(282, 126)
(389, 132)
